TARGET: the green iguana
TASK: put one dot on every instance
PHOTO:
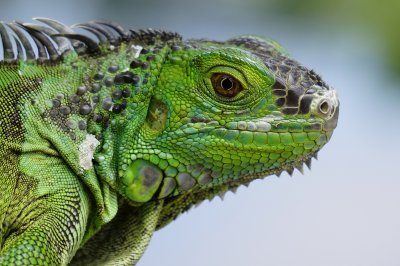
(107, 135)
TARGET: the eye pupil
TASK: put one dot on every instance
(226, 84)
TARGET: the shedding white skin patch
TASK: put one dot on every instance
(86, 151)
(137, 49)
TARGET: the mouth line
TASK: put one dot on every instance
(262, 125)
(251, 128)
(256, 142)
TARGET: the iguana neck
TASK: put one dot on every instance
(121, 87)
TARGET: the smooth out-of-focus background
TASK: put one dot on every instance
(346, 211)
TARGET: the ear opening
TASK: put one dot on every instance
(157, 115)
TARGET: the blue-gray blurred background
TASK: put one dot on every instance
(346, 211)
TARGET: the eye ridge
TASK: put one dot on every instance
(226, 85)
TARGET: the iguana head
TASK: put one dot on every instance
(223, 114)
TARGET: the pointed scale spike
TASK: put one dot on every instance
(105, 31)
(8, 51)
(92, 46)
(97, 33)
(197, 204)
(222, 195)
(133, 32)
(234, 190)
(62, 29)
(26, 44)
(115, 26)
(300, 168)
(308, 163)
(42, 54)
(290, 171)
(210, 197)
(20, 50)
(41, 41)
(315, 155)
(62, 43)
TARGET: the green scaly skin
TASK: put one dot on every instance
(162, 136)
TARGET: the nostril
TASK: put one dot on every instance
(324, 107)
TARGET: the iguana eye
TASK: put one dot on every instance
(225, 85)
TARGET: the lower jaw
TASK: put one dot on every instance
(222, 183)
(211, 191)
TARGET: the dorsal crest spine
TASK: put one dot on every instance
(50, 42)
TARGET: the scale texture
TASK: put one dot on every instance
(107, 135)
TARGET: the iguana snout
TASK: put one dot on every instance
(326, 105)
